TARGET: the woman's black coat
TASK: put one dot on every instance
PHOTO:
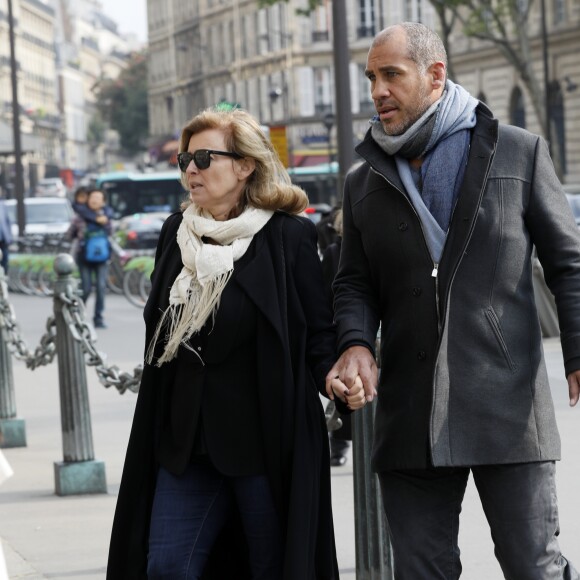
(296, 348)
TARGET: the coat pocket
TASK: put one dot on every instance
(496, 328)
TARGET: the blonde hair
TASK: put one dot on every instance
(269, 186)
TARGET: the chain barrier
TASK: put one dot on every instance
(73, 314)
(109, 376)
(44, 353)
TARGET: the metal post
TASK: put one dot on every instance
(79, 473)
(374, 558)
(341, 52)
(18, 169)
(547, 111)
(13, 430)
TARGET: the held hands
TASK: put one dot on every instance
(353, 378)
(573, 387)
(353, 397)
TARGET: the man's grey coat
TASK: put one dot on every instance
(463, 379)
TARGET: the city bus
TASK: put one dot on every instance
(319, 181)
(133, 192)
(129, 193)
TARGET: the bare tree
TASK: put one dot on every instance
(505, 24)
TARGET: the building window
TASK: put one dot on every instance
(365, 100)
(320, 24)
(559, 11)
(557, 126)
(366, 27)
(413, 10)
(517, 108)
(323, 90)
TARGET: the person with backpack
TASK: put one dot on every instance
(91, 229)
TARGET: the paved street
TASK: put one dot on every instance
(46, 536)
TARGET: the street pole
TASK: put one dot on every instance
(18, 170)
(344, 132)
(546, 75)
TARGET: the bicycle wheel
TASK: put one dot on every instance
(115, 276)
(131, 282)
(144, 286)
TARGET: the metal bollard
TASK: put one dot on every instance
(12, 429)
(79, 473)
(374, 557)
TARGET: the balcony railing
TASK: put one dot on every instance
(322, 108)
(365, 31)
(320, 35)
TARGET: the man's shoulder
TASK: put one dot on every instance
(512, 139)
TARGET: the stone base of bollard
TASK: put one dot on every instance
(13, 433)
(79, 478)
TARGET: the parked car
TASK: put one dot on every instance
(140, 231)
(43, 215)
(50, 187)
(316, 211)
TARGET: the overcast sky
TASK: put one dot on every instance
(130, 15)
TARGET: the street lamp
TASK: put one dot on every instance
(328, 122)
(546, 74)
(18, 169)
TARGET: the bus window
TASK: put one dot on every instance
(129, 193)
(320, 182)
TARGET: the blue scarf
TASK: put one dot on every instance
(444, 160)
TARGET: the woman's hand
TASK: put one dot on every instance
(353, 397)
(356, 398)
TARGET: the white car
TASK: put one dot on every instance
(43, 215)
(50, 187)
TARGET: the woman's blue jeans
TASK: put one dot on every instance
(99, 273)
(190, 510)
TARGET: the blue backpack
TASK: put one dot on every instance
(96, 248)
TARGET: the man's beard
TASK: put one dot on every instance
(398, 128)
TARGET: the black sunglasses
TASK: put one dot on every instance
(201, 158)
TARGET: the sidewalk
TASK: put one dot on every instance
(46, 536)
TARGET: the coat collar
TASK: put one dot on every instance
(258, 277)
(482, 149)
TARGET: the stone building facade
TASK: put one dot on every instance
(278, 64)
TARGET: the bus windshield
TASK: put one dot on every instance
(319, 181)
(129, 193)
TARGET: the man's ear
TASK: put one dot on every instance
(245, 167)
(437, 74)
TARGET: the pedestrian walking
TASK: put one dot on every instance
(89, 231)
(439, 224)
(227, 470)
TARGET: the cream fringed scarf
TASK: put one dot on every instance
(196, 292)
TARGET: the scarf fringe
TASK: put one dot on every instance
(182, 321)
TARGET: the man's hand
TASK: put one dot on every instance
(573, 387)
(102, 219)
(354, 362)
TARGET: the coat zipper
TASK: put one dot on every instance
(434, 274)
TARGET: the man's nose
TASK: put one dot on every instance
(380, 90)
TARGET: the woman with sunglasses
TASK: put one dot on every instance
(227, 470)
